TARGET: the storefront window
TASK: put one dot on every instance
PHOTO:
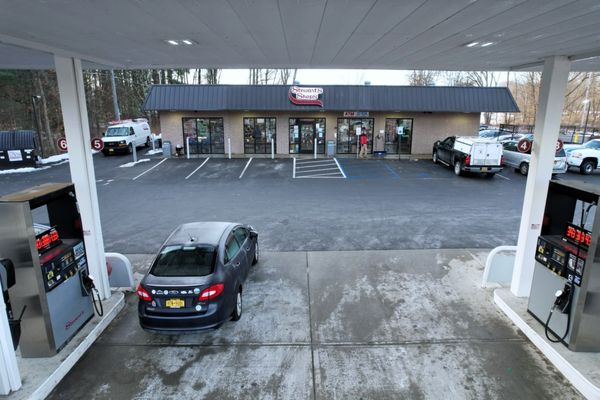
(206, 135)
(258, 133)
(398, 135)
(347, 128)
(303, 134)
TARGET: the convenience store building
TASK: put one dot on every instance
(399, 121)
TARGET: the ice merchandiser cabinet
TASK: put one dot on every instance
(50, 261)
(565, 291)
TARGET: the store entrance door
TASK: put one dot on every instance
(307, 137)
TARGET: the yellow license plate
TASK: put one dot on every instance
(175, 303)
(484, 169)
(111, 150)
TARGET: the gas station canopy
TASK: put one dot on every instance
(384, 34)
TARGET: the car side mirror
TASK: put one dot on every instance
(253, 234)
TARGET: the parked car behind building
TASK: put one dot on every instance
(520, 160)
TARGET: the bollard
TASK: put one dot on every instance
(272, 150)
(134, 148)
(187, 147)
(315, 147)
(229, 147)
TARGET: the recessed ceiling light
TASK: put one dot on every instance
(487, 44)
(173, 42)
(472, 44)
(187, 41)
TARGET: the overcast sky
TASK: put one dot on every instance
(328, 77)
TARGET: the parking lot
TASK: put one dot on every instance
(370, 205)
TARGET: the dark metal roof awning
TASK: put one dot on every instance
(334, 97)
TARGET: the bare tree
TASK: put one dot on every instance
(212, 76)
(422, 78)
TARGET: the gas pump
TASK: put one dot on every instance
(52, 281)
(565, 289)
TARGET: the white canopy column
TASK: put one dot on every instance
(81, 163)
(547, 126)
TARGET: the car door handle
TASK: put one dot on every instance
(237, 264)
(247, 248)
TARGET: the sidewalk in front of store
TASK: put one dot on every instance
(326, 325)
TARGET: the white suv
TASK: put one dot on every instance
(121, 136)
(586, 157)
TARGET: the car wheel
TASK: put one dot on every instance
(524, 168)
(105, 153)
(256, 253)
(147, 144)
(434, 157)
(587, 167)
(237, 308)
(457, 168)
(490, 174)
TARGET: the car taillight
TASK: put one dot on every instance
(143, 293)
(211, 292)
(468, 160)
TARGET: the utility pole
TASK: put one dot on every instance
(114, 96)
(586, 101)
(37, 126)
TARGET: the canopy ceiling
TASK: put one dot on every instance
(381, 34)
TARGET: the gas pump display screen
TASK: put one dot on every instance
(47, 240)
(578, 236)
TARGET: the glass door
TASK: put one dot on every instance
(307, 137)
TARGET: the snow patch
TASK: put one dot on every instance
(21, 170)
(131, 164)
(55, 159)
(151, 152)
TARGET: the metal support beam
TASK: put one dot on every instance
(547, 125)
(81, 164)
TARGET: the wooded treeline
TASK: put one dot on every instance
(23, 91)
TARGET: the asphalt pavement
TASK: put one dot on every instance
(371, 205)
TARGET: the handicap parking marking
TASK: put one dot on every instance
(246, 167)
(150, 169)
(340, 167)
(194, 171)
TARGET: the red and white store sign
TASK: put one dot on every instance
(306, 96)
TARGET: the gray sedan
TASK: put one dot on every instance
(197, 279)
(520, 160)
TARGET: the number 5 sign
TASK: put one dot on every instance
(97, 144)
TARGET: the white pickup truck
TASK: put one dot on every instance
(586, 157)
(121, 136)
(469, 154)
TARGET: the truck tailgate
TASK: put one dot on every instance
(486, 154)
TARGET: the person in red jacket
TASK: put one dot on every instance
(363, 145)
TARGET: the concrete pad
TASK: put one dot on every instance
(41, 375)
(581, 369)
(401, 296)
(467, 370)
(175, 372)
(275, 310)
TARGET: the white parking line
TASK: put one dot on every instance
(317, 170)
(150, 169)
(324, 176)
(339, 166)
(301, 161)
(503, 177)
(314, 166)
(246, 167)
(201, 165)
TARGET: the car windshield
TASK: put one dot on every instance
(178, 260)
(117, 131)
(592, 144)
(488, 134)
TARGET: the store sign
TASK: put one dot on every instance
(306, 96)
(356, 113)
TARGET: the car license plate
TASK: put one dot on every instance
(111, 150)
(175, 303)
(484, 169)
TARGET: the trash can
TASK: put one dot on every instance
(330, 148)
(166, 146)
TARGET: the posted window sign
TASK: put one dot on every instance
(306, 96)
